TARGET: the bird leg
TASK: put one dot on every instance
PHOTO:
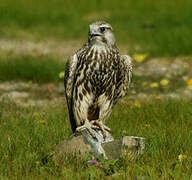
(102, 127)
(89, 126)
(93, 127)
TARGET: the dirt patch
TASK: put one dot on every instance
(145, 87)
(60, 50)
(57, 49)
(176, 72)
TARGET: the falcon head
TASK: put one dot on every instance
(101, 33)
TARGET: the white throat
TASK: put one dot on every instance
(99, 48)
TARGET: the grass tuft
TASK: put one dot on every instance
(37, 69)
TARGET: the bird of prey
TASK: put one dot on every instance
(96, 77)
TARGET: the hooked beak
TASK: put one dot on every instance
(94, 33)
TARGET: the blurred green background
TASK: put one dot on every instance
(160, 28)
(37, 36)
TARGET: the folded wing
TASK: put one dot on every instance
(70, 72)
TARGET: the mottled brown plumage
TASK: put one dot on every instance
(96, 77)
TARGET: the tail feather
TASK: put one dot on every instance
(71, 115)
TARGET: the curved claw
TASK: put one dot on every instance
(102, 127)
(87, 125)
(93, 128)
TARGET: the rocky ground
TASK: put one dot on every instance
(154, 78)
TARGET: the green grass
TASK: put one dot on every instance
(25, 148)
(160, 28)
(36, 69)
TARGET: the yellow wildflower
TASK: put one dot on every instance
(144, 83)
(164, 82)
(139, 57)
(137, 104)
(181, 157)
(189, 82)
(154, 85)
(147, 125)
(158, 97)
(41, 121)
(61, 75)
(124, 132)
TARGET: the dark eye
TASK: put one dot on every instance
(102, 29)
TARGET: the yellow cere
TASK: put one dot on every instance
(61, 75)
(139, 57)
(164, 82)
(189, 82)
(154, 85)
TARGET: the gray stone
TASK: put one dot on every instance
(125, 146)
(79, 145)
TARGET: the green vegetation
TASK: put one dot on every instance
(157, 28)
(25, 144)
(160, 28)
(148, 27)
(37, 69)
